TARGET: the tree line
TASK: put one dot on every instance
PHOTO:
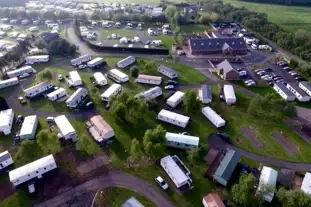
(285, 2)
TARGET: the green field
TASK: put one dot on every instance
(288, 17)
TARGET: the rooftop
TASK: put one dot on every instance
(185, 139)
(149, 77)
(228, 164)
(173, 116)
(213, 200)
(283, 88)
(5, 117)
(167, 69)
(213, 44)
(99, 128)
(28, 124)
(4, 156)
(132, 202)
(64, 125)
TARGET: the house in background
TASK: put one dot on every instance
(226, 71)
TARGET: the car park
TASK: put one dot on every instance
(161, 183)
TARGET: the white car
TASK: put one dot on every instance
(60, 77)
(82, 66)
(24, 75)
(168, 87)
(161, 182)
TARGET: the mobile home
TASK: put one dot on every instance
(113, 90)
(169, 72)
(38, 89)
(229, 94)
(100, 79)
(205, 94)
(29, 127)
(301, 95)
(6, 121)
(9, 82)
(80, 60)
(37, 59)
(74, 79)
(5, 160)
(76, 98)
(126, 62)
(95, 62)
(20, 71)
(57, 94)
(306, 87)
(181, 141)
(33, 29)
(268, 177)
(149, 79)
(213, 117)
(66, 131)
(32, 170)
(150, 94)
(175, 99)
(100, 130)
(173, 118)
(284, 92)
(118, 75)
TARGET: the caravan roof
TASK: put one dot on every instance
(4, 156)
(5, 117)
(181, 138)
(149, 77)
(63, 125)
(27, 125)
(306, 184)
(176, 96)
(268, 177)
(56, 92)
(174, 116)
(118, 73)
(74, 76)
(98, 59)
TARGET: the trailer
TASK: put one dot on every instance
(9, 82)
(100, 79)
(169, 72)
(118, 75)
(113, 90)
(173, 118)
(175, 99)
(37, 59)
(74, 79)
(100, 130)
(80, 60)
(126, 62)
(95, 62)
(20, 71)
(38, 89)
(6, 121)
(150, 94)
(205, 94)
(66, 131)
(5, 159)
(29, 127)
(213, 117)
(181, 141)
(57, 94)
(33, 29)
(76, 98)
(149, 79)
(229, 94)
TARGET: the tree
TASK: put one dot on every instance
(290, 110)
(170, 11)
(61, 47)
(135, 148)
(153, 142)
(28, 151)
(181, 40)
(119, 111)
(293, 198)
(46, 75)
(193, 155)
(134, 71)
(95, 15)
(254, 105)
(204, 19)
(190, 101)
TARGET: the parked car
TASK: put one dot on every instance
(50, 120)
(161, 182)
(89, 104)
(19, 119)
(169, 87)
(268, 70)
(24, 75)
(22, 100)
(60, 77)
(171, 82)
(82, 66)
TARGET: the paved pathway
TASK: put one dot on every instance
(112, 179)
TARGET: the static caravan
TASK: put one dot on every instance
(100, 79)
(213, 117)
(75, 99)
(6, 121)
(100, 130)
(175, 99)
(305, 86)
(180, 177)
(118, 75)
(150, 94)
(57, 94)
(24, 22)
(306, 184)
(29, 127)
(20, 71)
(9, 82)
(173, 118)
(113, 90)
(80, 60)
(169, 72)
(6, 27)
(38, 89)
(181, 141)
(95, 62)
(66, 131)
(268, 177)
(149, 79)
(13, 34)
(298, 92)
(126, 62)
(32, 170)
(205, 94)
(74, 79)
(33, 29)
(5, 159)
(229, 94)
(13, 21)
(37, 59)
(284, 92)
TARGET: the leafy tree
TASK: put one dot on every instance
(28, 151)
(293, 198)
(190, 101)
(254, 105)
(61, 14)
(148, 148)
(193, 155)
(290, 110)
(135, 148)
(46, 75)
(134, 71)
(61, 47)
(181, 40)
(153, 141)
(119, 111)
(170, 11)
(49, 143)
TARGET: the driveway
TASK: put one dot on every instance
(112, 179)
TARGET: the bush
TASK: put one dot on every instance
(134, 71)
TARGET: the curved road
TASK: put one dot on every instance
(112, 179)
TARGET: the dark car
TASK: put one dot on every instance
(268, 70)
(171, 82)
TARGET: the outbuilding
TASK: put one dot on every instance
(175, 99)
(95, 62)
(9, 82)
(80, 60)
(181, 141)
(38, 89)
(169, 72)
(268, 177)
(76, 98)
(118, 76)
(74, 79)
(305, 86)
(149, 79)
(113, 90)
(20, 71)
(126, 62)
(66, 131)
(229, 94)
(29, 127)
(213, 117)
(32, 170)
(284, 92)
(37, 59)
(150, 93)
(57, 94)
(100, 79)
(298, 92)
(173, 118)
(5, 160)
(6, 121)
(100, 130)
(205, 94)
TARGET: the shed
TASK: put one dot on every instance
(132, 202)
(212, 200)
(226, 71)
(268, 177)
(29, 127)
(286, 177)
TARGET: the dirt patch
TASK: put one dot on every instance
(286, 144)
(251, 136)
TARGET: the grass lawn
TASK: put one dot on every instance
(289, 17)
(115, 197)
(194, 28)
